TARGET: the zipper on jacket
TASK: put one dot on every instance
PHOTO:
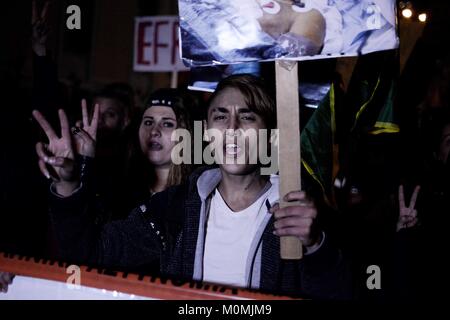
(249, 284)
(205, 230)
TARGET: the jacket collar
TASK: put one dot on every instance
(210, 179)
(207, 182)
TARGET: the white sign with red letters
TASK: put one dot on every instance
(156, 45)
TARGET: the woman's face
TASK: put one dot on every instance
(229, 114)
(155, 133)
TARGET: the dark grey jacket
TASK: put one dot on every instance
(169, 229)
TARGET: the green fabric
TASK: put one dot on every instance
(317, 141)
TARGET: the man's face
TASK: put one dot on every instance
(112, 118)
(229, 114)
(444, 148)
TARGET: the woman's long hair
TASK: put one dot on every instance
(141, 171)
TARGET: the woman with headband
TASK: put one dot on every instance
(150, 168)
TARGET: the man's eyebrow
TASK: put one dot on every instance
(225, 110)
(164, 118)
(220, 109)
(245, 110)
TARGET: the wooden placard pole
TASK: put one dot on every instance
(288, 118)
(174, 79)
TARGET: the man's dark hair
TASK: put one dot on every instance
(120, 92)
(255, 94)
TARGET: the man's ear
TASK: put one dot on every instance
(126, 121)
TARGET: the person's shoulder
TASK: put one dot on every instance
(176, 194)
(197, 173)
(187, 187)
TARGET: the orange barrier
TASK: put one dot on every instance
(145, 286)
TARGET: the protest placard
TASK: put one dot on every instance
(156, 46)
(230, 31)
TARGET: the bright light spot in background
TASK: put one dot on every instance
(423, 17)
(407, 13)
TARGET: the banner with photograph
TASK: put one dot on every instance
(232, 31)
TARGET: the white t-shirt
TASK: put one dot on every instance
(229, 236)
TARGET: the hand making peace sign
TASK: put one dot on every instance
(408, 214)
(85, 133)
(59, 153)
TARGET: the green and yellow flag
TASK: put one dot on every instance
(366, 108)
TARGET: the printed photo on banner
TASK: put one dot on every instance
(231, 31)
